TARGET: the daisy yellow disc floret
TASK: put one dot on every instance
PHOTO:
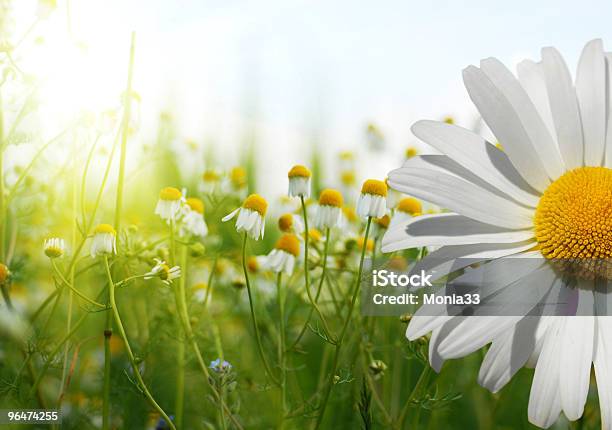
(192, 221)
(573, 222)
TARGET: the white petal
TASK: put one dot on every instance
(608, 149)
(508, 353)
(531, 77)
(231, 215)
(591, 94)
(475, 154)
(500, 116)
(564, 107)
(533, 124)
(575, 363)
(603, 368)
(447, 229)
(454, 257)
(461, 196)
(544, 398)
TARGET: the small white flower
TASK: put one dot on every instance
(251, 216)
(104, 241)
(169, 203)
(329, 211)
(282, 257)
(193, 218)
(54, 247)
(372, 200)
(299, 181)
(290, 223)
(164, 272)
(406, 209)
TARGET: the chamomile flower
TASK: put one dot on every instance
(291, 223)
(380, 225)
(299, 181)
(372, 200)
(104, 241)
(545, 198)
(329, 211)
(192, 220)
(210, 181)
(236, 182)
(251, 216)
(54, 247)
(406, 209)
(282, 257)
(164, 272)
(169, 203)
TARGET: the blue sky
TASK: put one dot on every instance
(295, 68)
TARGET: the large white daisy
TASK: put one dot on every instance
(547, 194)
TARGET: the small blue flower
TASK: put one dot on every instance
(162, 425)
(219, 366)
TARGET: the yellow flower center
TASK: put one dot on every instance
(210, 176)
(573, 222)
(170, 193)
(54, 251)
(348, 178)
(314, 235)
(238, 176)
(369, 245)
(330, 197)
(285, 222)
(4, 273)
(373, 186)
(411, 152)
(256, 203)
(410, 206)
(350, 214)
(253, 264)
(289, 243)
(104, 228)
(164, 273)
(299, 171)
(383, 222)
(196, 204)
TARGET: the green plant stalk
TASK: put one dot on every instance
(282, 357)
(344, 328)
(127, 103)
(306, 274)
(180, 373)
(119, 323)
(253, 317)
(182, 308)
(421, 383)
(320, 287)
(108, 334)
(2, 203)
(72, 287)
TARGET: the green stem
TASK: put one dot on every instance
(182, 309)
(344, 328)
(307, 275)
(119, 323)
(180, 377)
(253, 317)
(422, 381)
(72, 288)
(281, 348)
(108, 334)
(321, 281)
(127, 103)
